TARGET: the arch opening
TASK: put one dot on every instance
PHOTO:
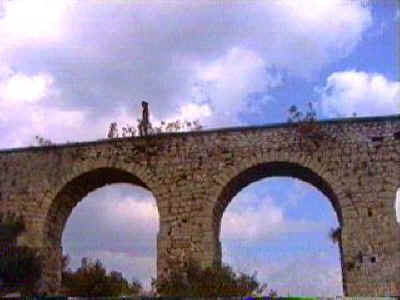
(117, 224)
(273, 169)
(115, 198)
(75, 190)
(247, 211)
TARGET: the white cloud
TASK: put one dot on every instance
(303, 273)
(229, 80)
(360, 92)
(128, 209)
(188, 112)
(5, 71)
(252, 224)
(23, 115)
(312, 275)
(200, 60)
(145, 217)
(28, 107)
(27, 21)
(317, 32)
(23, 122)
(20, 88)
(193, 111)
(308, 274)
(253, 219)
(299, 191)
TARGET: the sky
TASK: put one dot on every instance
(70, 68)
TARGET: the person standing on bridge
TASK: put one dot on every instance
(144, 124)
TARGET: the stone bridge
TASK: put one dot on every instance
(194, 175)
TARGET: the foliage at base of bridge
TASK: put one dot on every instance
(10, 227)
(92, 280)
(191, 280)
(20, 267)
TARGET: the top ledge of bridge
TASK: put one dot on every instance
(208, 131)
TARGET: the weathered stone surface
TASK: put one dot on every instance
(193, 177)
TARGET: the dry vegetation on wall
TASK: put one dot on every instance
(131, 131)
(307, 130)
(175, 126)
(41, 141)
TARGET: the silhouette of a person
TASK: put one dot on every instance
(144, 123)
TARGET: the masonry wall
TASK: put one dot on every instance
(194, 176)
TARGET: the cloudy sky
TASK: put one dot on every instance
(69, 68)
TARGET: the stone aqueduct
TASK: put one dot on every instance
(193, 176)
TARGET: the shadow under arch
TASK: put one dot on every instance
(273, 169)
(61, 208)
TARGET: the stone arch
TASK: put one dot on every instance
(79, 169)
(252, 172)
(272, 169)
(74, 191)
(61, 205)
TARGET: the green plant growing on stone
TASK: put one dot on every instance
(295, 115)
(307, 129)
(335, 235)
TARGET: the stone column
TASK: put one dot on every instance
(181, 238)
(173, 239)
(50, 256)
(371, 245)
(205, 244)
(50, 282)
(162, 249)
